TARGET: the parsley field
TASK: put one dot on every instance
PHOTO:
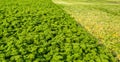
(40, 31)
(101, 18)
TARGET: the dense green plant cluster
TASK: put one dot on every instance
(39, 31)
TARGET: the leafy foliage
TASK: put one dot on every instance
(39, 31)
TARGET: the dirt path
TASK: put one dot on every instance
(78, 3)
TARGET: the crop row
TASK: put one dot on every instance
(40, 31)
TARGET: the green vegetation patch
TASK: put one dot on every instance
(39, 31)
